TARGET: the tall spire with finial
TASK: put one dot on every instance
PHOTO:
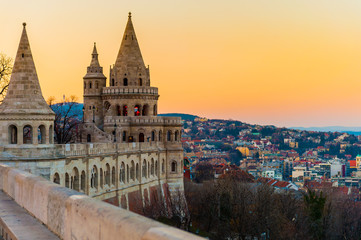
(24, 93)
(129, 53)
(95, 61)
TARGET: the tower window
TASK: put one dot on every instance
(96, 85)
(22, 55)
(113, 82)
(137, 110)
(140, 82)
(90, 85)
(125, 81)
(125, 110)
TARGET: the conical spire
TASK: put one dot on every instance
(129, 53)
(94, 70)
(95, 61)
(24, 93)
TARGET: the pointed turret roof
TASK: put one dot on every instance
(94, 70)
(95, 61)
(24, 93)
(129, 53)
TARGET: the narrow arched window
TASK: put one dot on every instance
(13, 134)
(113, 82)
(41, 134)
(155, 110)
(124, 136)
(137, 110)
(90, 85)
(96, 85)
(89, 138)
(153, 136)
(169, 136)
(140, 82)
(125, 81)
(119, 112)
(125, 110)
(27, 135)
(176, 136)
(141, 137)
(56, 178)
(174, 166)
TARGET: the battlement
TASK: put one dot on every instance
(73, 215)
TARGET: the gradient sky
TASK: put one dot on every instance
(281, 62)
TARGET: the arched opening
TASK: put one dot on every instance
(137, 110)
(132, 171)
(56, 178)
(155, 110)
(75, 179)
(107, 105)
(152, 167)
(145, 110)
(174, 166)
(41, 134)
(82, 181)
(176, 136)
(67, 180)
(127, 173)
(94, 177)
(122, 173)
(140, 82)
(125, 110)
(141, 137)
(90, 85)
(96, 85)
(160, 136)
(113, 175)
(107, 174)
(13, 134)
(112, 81)
(137, 172)
(89, 138)
(51, 138)
(125, 81)
(101, 178)
(124, 136)
(144, 169)
(156, 168)
(27, 135)
(119, 112)
(169, 136)
(153, 136)
(163, 167)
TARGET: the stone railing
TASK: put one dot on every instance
(130, 90)
(148, 120)
(72, 215)
(83, 149)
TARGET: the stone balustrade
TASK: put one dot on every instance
(142, 120)
(130, 90)
(73, 215)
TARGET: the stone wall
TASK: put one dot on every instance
(73, 215)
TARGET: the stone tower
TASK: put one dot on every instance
(26, 120)
(94, 82)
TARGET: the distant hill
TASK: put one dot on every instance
(349, 130)
(182, 115)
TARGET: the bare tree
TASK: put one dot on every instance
(67, 119)
(6, 67)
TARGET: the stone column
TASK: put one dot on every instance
(35, 135)
(20, 135)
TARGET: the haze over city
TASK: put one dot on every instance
(287, 63)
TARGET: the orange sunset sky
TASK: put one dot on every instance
(280, 62)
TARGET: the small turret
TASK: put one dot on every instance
(94, 82)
